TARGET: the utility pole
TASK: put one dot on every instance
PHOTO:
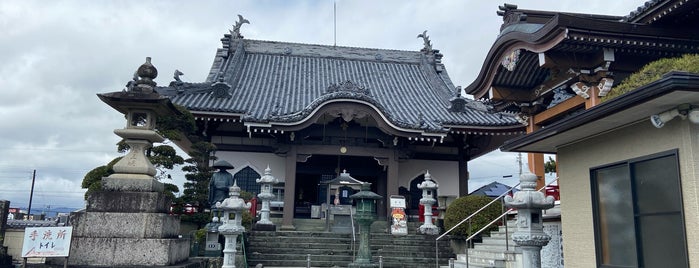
(519, 162)
(31, 194)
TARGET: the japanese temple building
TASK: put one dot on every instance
(627, 175)
(313, 111)
(545, 66)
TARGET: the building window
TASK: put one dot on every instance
(638, 213)
(246, 180)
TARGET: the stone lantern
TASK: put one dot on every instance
(110, 232)
(366, 214)
(141, 105)
(266, 182)
(530, 236)
(232, 208)
(428, 188)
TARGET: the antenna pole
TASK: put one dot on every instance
(334, 23)
(31, 194)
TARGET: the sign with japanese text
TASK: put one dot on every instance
(46, 241)
(399, 221)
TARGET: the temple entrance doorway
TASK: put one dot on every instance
(310, 192)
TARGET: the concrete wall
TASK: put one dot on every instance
(635, 140)
(444, 173)
(13, 241)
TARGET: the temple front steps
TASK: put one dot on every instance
(291, 248)
(493, 251)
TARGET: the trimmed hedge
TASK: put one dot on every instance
(654, 71)
(464, 206)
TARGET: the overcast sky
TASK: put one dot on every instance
(56, 55)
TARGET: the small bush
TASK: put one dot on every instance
(464, 206)
(654, 71)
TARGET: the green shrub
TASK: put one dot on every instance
(200, 236)
(464, 206)
(654, 71)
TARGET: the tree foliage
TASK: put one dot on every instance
(196, 189)
(654, 71)
(550, 166)
(464, 206)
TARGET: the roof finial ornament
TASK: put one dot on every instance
(235, 33)
(177, 75)
(426, 41)
(143, 78)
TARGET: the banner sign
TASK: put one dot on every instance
(46, 241)
(399, 221)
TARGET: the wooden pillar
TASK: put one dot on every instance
(463, 174)
(289, 191)
(536, 160)
(391, 181)
(593, 100)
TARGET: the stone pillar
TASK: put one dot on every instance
(127, 223)
(266, 182)
(289, 191)
(428, 187)
(231, 228)
(530, 236)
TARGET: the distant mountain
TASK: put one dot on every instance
(50, 212)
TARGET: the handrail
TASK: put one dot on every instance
(436, 246)
(477, 211)
(242, 248)
(354, 236)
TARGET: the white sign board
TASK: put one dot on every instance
(397, 201)
(46, 241)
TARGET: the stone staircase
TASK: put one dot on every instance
(291, 249)
(493, 251)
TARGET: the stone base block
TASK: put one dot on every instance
(96, 251)
(148, 202)
(125, 225)
(363, 265)
(264, 227)
(131, 183)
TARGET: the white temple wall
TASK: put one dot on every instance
(444, 173)
(256, 161)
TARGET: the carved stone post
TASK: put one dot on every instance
(530, 236)
(428, 187)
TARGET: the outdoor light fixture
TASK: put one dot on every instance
(682, 110)
(605, 85)
(660, 119)
(581, 89)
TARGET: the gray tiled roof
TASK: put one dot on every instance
(273, 82)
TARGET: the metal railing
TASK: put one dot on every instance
(243, 237)
(502, 216)
(354, 237)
